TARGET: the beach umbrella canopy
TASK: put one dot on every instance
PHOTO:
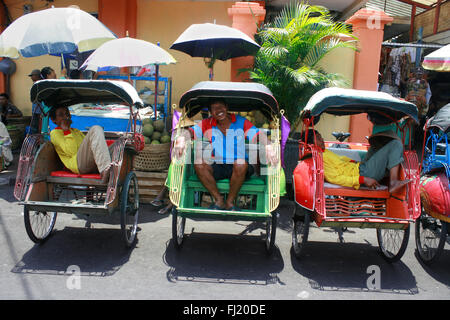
(438, 60)
(53, 31)
(215, 42)
(127, 52)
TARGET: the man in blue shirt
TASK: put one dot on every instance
(225, 157)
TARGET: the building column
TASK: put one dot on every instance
(368, 27)
(119, 16)
(3, 22)
(246, 17)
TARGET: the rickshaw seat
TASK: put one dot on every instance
(69, 174)
(363, 192)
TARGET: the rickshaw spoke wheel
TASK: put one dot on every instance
(393, 242)
(431, 235)
(39, 224)
(271, 230)
(129, 209)
(178, 226)
(300, 233)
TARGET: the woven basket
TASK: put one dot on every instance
(154, 157)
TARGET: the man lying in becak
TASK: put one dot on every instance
(226, 157)
(80, 153)
(380, 158)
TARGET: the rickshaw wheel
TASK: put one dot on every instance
(271, 230)
(178, 225)
(38, 224)
(300, 232)
(431, 235)
(129, 209)
(393, 243)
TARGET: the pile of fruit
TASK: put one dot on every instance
(257, 118)
(154, 131)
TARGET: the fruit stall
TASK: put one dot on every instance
(152, 163)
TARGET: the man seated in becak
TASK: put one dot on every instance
(226, 157)
(381, 158)
(80, 153)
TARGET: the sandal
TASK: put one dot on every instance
(234, 208)
(215, 207)
(165, 210)
(157, 203)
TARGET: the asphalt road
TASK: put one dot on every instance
(218, 260)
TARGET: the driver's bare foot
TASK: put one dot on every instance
(395, 185)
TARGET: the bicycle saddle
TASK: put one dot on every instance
(341, 136)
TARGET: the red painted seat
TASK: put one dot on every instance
(69, 174)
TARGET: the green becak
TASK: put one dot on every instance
(148, 130)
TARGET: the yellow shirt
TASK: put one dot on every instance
(340, 170)
(66, 144)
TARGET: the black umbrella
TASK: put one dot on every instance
(215, 42)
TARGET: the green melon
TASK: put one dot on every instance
(156, 135)
(155, 142)
(147, 140)
(148, 130)
(159, 125)
(165, 139)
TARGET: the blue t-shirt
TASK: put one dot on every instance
(230, 147)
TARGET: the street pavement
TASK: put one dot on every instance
(218, 261)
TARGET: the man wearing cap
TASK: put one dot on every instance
(385, 154)
(35, 75)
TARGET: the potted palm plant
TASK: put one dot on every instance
(288, 62)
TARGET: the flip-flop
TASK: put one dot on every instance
(215, 207)
(157, 203)
(164, 210)
(235, 208)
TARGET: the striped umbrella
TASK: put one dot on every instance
(438, 60)
(53, 31)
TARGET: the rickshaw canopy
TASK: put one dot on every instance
(441, 119)
(61, 92)
(240, 96)
(381, 107)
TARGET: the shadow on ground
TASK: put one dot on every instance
(95, 252)
(349, 267)
(223, 258)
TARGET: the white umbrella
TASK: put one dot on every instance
(438, 60)
(129, 52)
(53, 31)
(215, 41)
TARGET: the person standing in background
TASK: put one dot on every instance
(36, 110)
(7, 109)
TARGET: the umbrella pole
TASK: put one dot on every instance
(156, 89)
(211, 74)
